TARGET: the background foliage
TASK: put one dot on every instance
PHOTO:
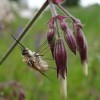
(71, 3)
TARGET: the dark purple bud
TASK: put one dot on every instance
(60, 56)
(64, 26)
(70, 40)
(50, 34)
(77, 23)
(51, 22)
(61, 18)
(57, 1)
(50, 38)
(82, 47)
(69, 37)
(21, 95)
(52, 45)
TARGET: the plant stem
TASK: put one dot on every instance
(52, 7)
(54, 14)
(31, 22)
(66, 12)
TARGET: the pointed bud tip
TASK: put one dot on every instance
(63, 86)
(85, 68)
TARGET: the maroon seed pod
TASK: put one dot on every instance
(64, 26)
(60, 56)
(82, 47)
(77, 22)
(21, 95)
(51, 22)
(50, 34)
(70, 40)
(52, 45)
(61, 18)
(50, 38)
(69, 37)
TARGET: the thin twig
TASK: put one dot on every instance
(66, 12)
(54, 14)
(31, 22)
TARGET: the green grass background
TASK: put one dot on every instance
(38, 87)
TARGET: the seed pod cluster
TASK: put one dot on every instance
(75, 41)
(60, 33)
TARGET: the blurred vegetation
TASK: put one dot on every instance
(38, 87)
(71, 3)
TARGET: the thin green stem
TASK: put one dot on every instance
(54, 14)
(25, 30)
(52, 8)
(66, 12)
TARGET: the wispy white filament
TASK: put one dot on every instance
(63, 86)
(85, 68)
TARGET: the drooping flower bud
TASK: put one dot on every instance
(50, 35)
(52, 45)
(51, 22)
(61, 18)
(21, 95)
(69, 37)
(60, 56)
(82, 47)
(77, 23)
(50, 38)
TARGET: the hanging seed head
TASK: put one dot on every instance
(51, 22)
(64, 26)
(77, 23)
(69, 37)
(70, 40)
(60, 56)
(21, 95)
(82, 47)
(50, 34)
(61, 18)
